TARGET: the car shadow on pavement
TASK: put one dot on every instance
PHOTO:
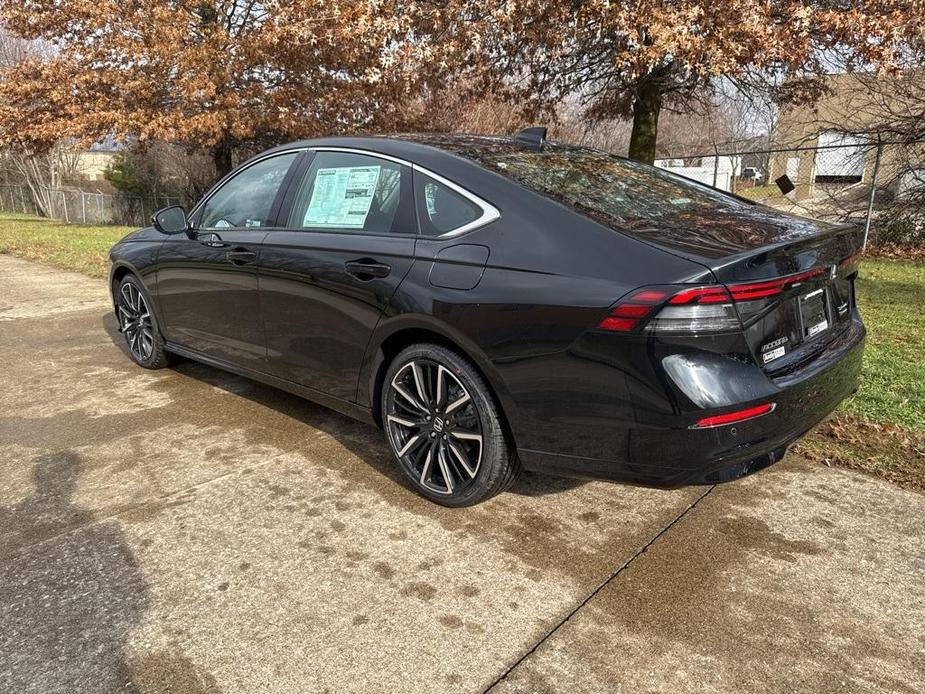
(71, 592)
(363, 440)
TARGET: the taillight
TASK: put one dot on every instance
(700, 309)
(766, 288)
(630, 313)
(670, 309)
(697, 310)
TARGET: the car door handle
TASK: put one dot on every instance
(211, 240)
(366, 269)
(240, 256)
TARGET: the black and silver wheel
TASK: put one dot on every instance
(138, 325)
(444, 427)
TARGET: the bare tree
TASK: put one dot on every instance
(39, 171)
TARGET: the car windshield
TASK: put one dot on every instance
(608, 188)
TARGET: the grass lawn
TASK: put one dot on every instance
(68, 246)
(881, 429)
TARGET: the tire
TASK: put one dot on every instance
(138, 324)
(442, 423)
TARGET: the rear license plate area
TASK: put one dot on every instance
(814, 313)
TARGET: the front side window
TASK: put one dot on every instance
(441, 209)
(245, 202)
(353, 193)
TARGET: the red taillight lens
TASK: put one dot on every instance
(733, 417)
(628, 314)
(760, 290)
(701, 295)
(619, 325)
(631, 310)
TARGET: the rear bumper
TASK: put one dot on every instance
(672, 454)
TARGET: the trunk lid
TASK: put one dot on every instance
(792, 278)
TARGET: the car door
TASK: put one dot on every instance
(207, 279)
(327, 278)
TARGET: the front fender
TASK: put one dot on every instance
(137, 253)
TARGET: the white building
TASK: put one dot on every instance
(714, 171)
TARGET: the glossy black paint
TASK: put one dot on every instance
(318, 318)
(520, 298)
(209, 301)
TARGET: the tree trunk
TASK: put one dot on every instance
(646, 107)
(221, 155)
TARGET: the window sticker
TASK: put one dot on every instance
(341, 197)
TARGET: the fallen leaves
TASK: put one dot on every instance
(883, 449)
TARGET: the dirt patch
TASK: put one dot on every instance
(422, 591)
(896, 251)
(887, 451)
(170, 672)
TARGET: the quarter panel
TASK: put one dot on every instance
(519, 327)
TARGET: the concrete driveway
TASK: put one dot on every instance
(190, 531)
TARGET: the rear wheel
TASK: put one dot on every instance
(138, 324)
(444, 427)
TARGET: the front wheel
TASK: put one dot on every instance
(444, 427)
(138, 325)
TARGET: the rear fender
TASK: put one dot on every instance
(420, 326)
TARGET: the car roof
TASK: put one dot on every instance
(429, 149)
(456, 157)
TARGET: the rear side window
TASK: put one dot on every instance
(608, 188)
(440, 208)
(353, 193)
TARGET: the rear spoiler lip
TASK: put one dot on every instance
(830, 247)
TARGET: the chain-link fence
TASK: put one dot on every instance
(840, 178)
(81, 207)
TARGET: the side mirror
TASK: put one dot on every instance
(170, 220)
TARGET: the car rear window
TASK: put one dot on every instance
(605, 187)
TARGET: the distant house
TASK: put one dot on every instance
(92, 162)
(719, 172)
(829, 147)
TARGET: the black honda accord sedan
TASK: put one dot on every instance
(498, 303)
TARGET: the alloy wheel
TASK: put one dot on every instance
(135, 322)
(434, 427)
